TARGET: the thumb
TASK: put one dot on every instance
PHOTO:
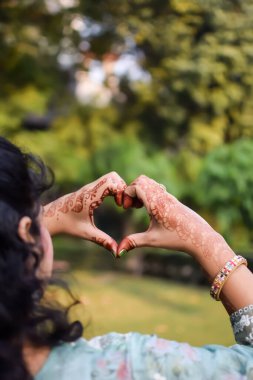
(101, 238)
(132, 241)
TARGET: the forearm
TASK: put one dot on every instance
(212, 252)
(237, 291)
(175, 226)
(50, 220)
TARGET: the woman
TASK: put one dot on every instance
(37, 341)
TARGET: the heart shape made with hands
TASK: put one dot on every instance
(106, 240)
(79, 209)
(172, 224)
(142, 192)
(129, 242)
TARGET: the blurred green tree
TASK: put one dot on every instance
(200, 59)
(224, 188)
(194, 96)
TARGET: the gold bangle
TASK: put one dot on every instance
(224, 274)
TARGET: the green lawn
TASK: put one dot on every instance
(112, 301)
(123, 303)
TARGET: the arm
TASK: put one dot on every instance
(175, 226)
(73, 213)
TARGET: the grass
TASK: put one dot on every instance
(123, 303)
(112, 301)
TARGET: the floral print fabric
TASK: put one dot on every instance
(135, 356)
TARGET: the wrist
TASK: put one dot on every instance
(213, 254)
(51, 226)
(201, 241)
(50, 218)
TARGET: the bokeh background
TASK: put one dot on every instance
(156, 87)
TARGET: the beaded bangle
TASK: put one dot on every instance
(224, 274)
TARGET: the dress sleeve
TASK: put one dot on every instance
(135, 356)
(154, 358)
(242, 324)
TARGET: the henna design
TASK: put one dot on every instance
(121, 186)
(75, 203)
(196, 235)
(78, 204)
(163, 210)
(86, 200)
(183, 228)
(96, 204)
(105, 194)
(52, 209)
(166, 211)
(101, 241)
(68, 203)
(91, 193)
(131, 244)
(93, 206)
(85, 195)
(212, 245)
(98, 240)
(174, 216)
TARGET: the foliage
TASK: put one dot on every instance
(180, 124)
(225, 186)
(129, 156)
(200, 58)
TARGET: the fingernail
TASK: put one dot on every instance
(121, 253)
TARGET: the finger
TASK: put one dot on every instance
(119, 197)
(116, 187)
(129, 196)
(127, 201)
(133, 241)
(131, 202)
(101, 238)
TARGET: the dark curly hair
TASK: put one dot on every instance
(23, 317)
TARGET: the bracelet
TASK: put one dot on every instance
(224, 274)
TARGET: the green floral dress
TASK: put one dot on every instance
(135, 356)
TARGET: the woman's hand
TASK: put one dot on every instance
(175, 226)
(73, 213)
(172, 225)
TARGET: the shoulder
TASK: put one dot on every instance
(122, 356)
(88, 359)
